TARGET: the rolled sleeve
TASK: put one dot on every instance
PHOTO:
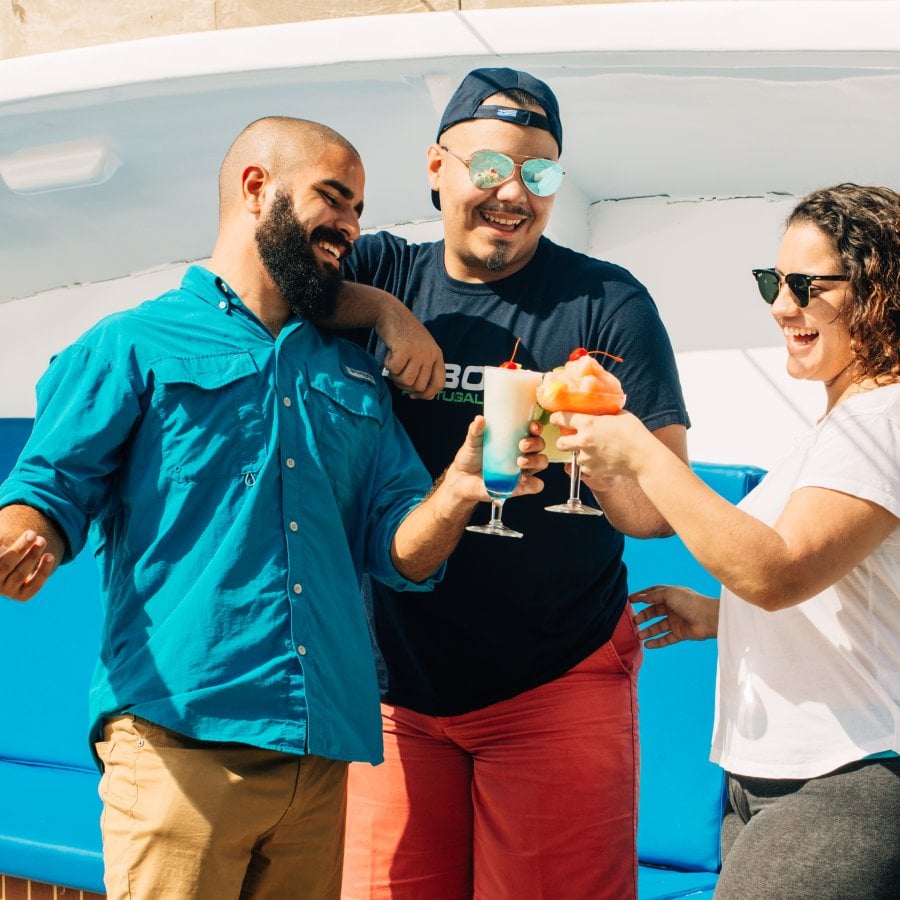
(86, 408)
(402, 483)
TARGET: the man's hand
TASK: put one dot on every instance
(25, 566)
(414, 361)
(466, 465)
(675, 614)
(427, 536)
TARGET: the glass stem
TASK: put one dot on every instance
(496, 512)
(575, 481)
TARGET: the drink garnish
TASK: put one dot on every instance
(578, 352)
(582, 385)
(510, 364)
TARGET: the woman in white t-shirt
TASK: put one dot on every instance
(808, 699)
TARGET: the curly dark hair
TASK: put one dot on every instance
(863, 222)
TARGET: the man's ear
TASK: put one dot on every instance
(255, 183)
(434, 161)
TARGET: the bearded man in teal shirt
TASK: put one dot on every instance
(236, 470)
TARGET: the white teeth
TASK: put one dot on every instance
(499, 220)
(799, 332)
(329, 248)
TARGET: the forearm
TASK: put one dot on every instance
(428, 535)
(629, 510)
(626, 505)
(361, 306)
(747, 556)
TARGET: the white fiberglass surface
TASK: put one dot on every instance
(689, 129)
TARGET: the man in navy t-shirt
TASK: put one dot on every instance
(509, 699)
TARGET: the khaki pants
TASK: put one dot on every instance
(193, 820)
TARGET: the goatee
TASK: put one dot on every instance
(498, 258)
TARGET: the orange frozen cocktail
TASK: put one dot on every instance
(581, 385)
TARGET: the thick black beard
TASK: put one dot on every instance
(287, 255)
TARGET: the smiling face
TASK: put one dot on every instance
(303, 255)
(328, 201)
(489, 234)
(817, 337)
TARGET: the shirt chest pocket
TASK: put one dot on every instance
(210, 413)
(347, 422)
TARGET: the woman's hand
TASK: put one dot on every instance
(607, 445)
(674, 614)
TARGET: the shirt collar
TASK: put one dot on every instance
(209, 287)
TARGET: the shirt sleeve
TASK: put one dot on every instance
(86, 408)
(858, 453)
(401, 482)
(381, 260)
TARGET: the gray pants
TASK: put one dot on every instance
(835, 837)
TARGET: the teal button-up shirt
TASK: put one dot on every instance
(235, 487)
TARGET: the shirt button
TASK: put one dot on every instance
(287, 401)
(301, 650)
(223, 304)
(293, 526)
(298, 589)
(289, 462)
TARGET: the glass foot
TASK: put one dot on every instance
(574, 508)
(498, 529)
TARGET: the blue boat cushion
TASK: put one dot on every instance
(50, 811)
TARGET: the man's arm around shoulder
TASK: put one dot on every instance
(414, 361)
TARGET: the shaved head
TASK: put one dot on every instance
(279, 144)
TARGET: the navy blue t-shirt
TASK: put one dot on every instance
(510, 614)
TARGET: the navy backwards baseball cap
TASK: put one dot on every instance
(479, 84)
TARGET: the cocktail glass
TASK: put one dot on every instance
(508, 408)
(597, 403)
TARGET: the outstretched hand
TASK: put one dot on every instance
(531, 460)
(674, 614)
(24, 566)
(414, 361)
(607, 445)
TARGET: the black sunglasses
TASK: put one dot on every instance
(769, 283)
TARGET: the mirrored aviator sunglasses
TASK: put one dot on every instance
(490, 168)
(769, 283)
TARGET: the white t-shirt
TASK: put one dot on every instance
(810, 688)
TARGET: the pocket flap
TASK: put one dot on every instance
(356, 391)
(206, 372)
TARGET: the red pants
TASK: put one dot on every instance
(535, 796)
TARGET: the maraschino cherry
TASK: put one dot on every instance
(578, 352)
